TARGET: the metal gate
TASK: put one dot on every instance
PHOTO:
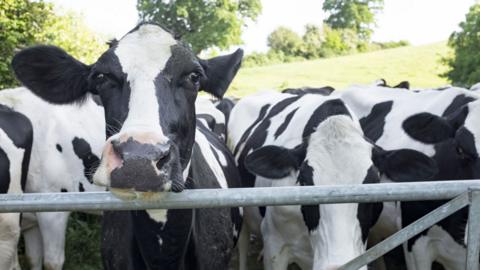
(460, 193)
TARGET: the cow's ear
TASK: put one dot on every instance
(428, 128)
(51, 73)
(220, 72)
(404, 165)
(272, 161)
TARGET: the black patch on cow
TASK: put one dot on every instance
(457, 102)
(246, 134)
(217, 128)
(310, 213)
(327, 109)
(59, 148)
(285, 123)
(225, 106)
(19, 129)
(374, 122)
(217, 237)
(368, 213)
(428, 128)
(4, 172)
(84, 152)
(80, 187)
(63, 190)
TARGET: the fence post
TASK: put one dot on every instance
(473, 237)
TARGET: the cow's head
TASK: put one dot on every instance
(456, 138)
(338, 153)
(148, 82)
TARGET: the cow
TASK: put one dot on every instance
(211, 116)
(444, 125)
(283, 139)
(16, 137)
(67, 143)
(475, 87)
(383, 83)
(148, 82)
(225, 105)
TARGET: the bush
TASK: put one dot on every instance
(464, 64)
(286, 41)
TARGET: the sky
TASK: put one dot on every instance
(418, 21)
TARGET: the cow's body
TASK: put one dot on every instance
(445, 126)
(67, 142)
(148, 82)
(15, 146)
(329, 145)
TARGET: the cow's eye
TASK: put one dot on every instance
(100, 77)
(195, 77)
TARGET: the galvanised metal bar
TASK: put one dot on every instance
(473, 236)
(408, 232)
(211, 198)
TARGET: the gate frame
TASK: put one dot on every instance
(464, 193)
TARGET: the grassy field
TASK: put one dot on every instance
(418, 64)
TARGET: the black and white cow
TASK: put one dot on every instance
(67, 143)
(148, 82)
(444, 125)
(15, 147)
(383, 83)
(287, 140)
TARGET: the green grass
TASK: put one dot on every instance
(418, 64)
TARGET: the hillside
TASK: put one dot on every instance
(418, 64)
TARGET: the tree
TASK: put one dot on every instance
(312, 41)
(68, 31)
(20, 20)
(202, 23)
(358, 15)
(285, 40)
(465, 62)
(25, 23)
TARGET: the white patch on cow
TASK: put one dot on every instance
(207, 152)
(159, 215)
(472, 122)
(338, 154)
(437, 245)
(160, 240)
(143, 54)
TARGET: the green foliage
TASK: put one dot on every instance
(465, 61)
(68, 31)
(285, 40)
(82, 250)
(358, 15)
(20, 20)
(24, 23)
(202, 23)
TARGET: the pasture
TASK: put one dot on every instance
(420, 65)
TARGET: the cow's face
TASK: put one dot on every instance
(148, 82)
(337, 153)
(456, 139)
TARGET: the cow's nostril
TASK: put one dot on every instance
(117, 149)
(161, 162)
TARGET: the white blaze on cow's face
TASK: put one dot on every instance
(337, 153)
(152, 107)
